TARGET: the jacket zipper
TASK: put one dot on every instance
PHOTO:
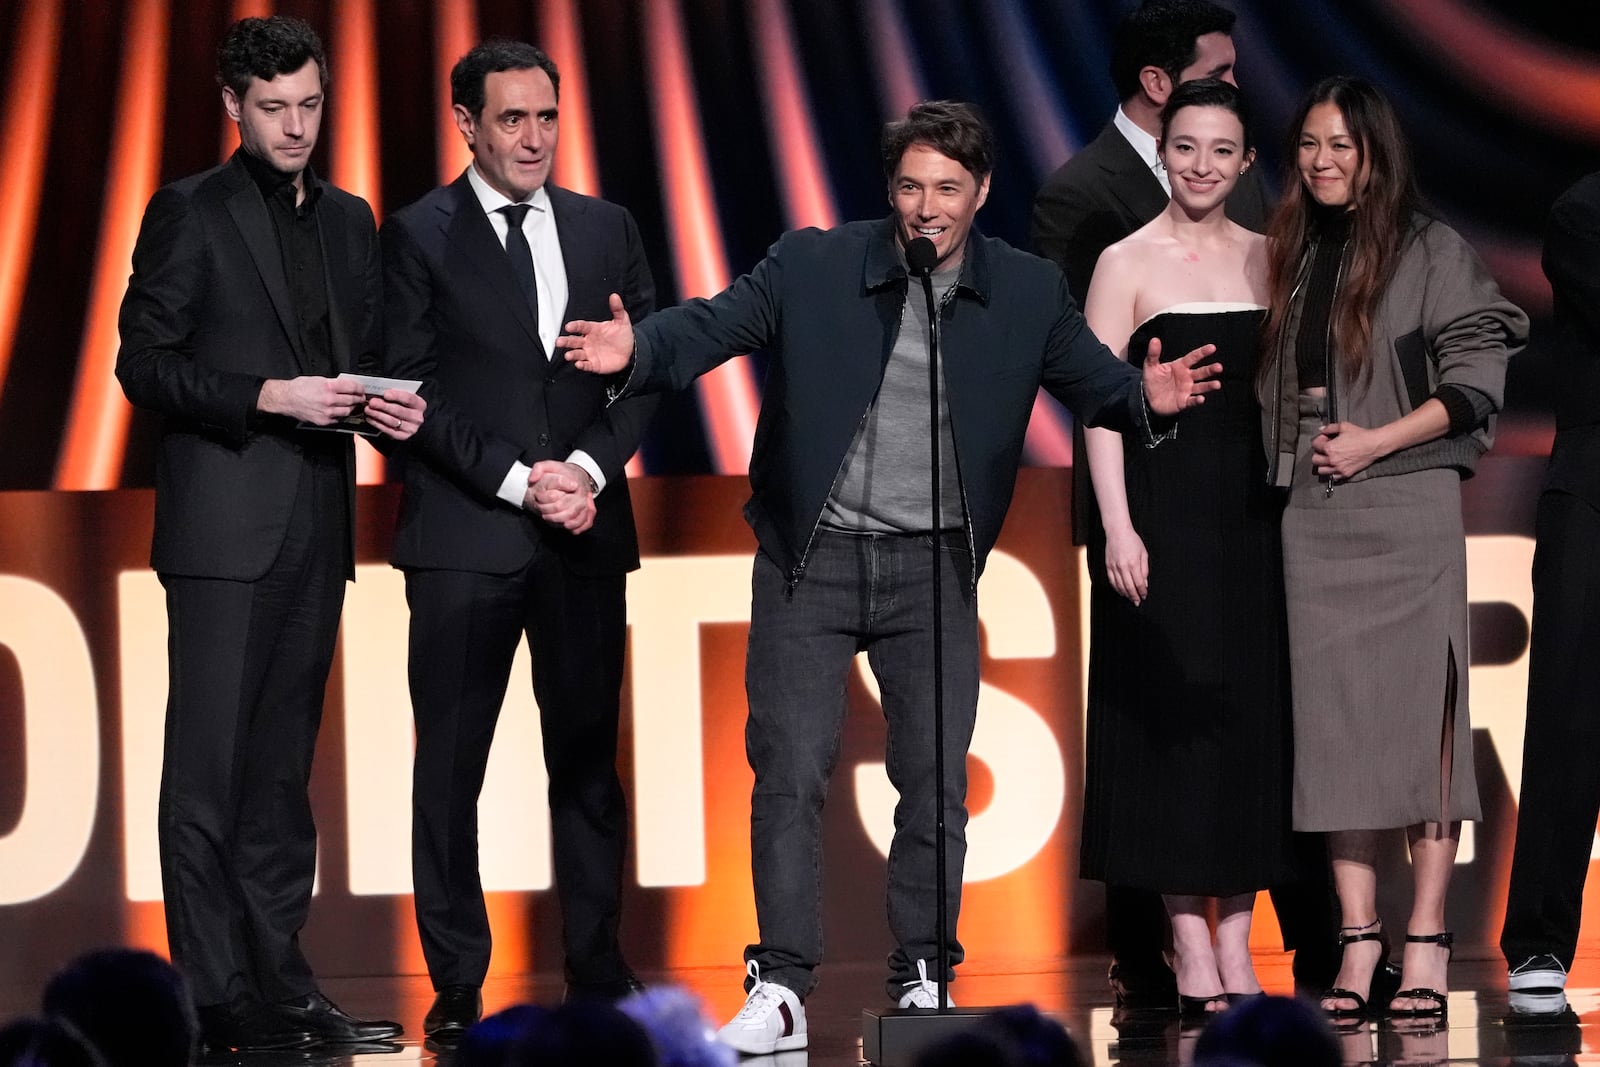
(966, 512)
(799, 569)
(1329, 371)
(1304, 274)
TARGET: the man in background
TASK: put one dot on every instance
(1560, 796)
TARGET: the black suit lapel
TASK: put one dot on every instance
(249, 213)
(468, 229)
(580, 255)
(340, 280)
(1130, 180)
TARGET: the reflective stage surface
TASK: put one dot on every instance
(1481, 1026)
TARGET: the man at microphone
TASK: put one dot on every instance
(841, 473)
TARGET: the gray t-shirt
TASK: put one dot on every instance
(883, 485)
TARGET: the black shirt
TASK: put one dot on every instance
(300, 245)
(1311, 349)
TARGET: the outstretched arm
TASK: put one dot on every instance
(600, 347)
(1182, 383)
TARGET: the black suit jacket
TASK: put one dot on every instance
(207, 318)
(456, 319)
(1091, 202)
(1572, 263)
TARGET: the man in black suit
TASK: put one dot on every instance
(1560, 772)
(254, 285)
(1102, 194)
(500, 531)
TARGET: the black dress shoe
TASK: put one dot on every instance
(607, 991)
(455, 1008)
(321, 1016)
(250, 1026)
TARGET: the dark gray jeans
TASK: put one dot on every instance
(860, 592)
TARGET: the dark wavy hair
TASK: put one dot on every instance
(1207, 92)
(1162, 33)
(952, 128)
(266, 48)
(1385, 200)
(493, 56)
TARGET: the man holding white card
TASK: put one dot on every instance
(254, 294)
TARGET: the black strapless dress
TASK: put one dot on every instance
(1188, 750)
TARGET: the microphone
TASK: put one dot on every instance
(921, 255)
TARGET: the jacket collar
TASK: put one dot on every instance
(886, 264)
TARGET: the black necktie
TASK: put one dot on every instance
(521, 256)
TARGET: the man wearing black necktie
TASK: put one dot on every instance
(515, 518)
(254, 285)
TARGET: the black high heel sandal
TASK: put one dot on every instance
(1385, 978)
(1446, 939)
(1193, 1009)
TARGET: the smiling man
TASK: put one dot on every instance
(515, 521)
(842, 510)
(255, 285)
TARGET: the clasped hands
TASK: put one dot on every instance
(560, 494)
(1343, 450)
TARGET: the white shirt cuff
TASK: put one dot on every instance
(586, 461)
(514, 487)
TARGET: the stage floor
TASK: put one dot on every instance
(1480, 1028)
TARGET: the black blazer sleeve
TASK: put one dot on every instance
(615, 434)
(450, 439)
(159, 319)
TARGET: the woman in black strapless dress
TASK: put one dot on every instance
(1187, 778)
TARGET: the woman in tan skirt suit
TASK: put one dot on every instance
(1383, 365)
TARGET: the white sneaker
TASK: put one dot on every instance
(924, 992)
(771, 1020)
(1537, 974)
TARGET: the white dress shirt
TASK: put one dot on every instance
(550, 277)
(1143, 144)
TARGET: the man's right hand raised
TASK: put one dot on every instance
(600, 347)
(319, 401)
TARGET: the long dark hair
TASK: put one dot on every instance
(1385, 199)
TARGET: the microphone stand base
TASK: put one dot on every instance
(894, 1037)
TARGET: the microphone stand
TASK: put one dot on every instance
(896, 1038)
(940, 863)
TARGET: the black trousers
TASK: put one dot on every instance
(464, 632)
(247, 664)
(1560, 798)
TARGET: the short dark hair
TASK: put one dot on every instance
(952, 128)
(132, 1005)
(45, 1043)
(1162, 33)
(496, 54)
(266, 48)
(1273, 1032)
(1207, 92)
